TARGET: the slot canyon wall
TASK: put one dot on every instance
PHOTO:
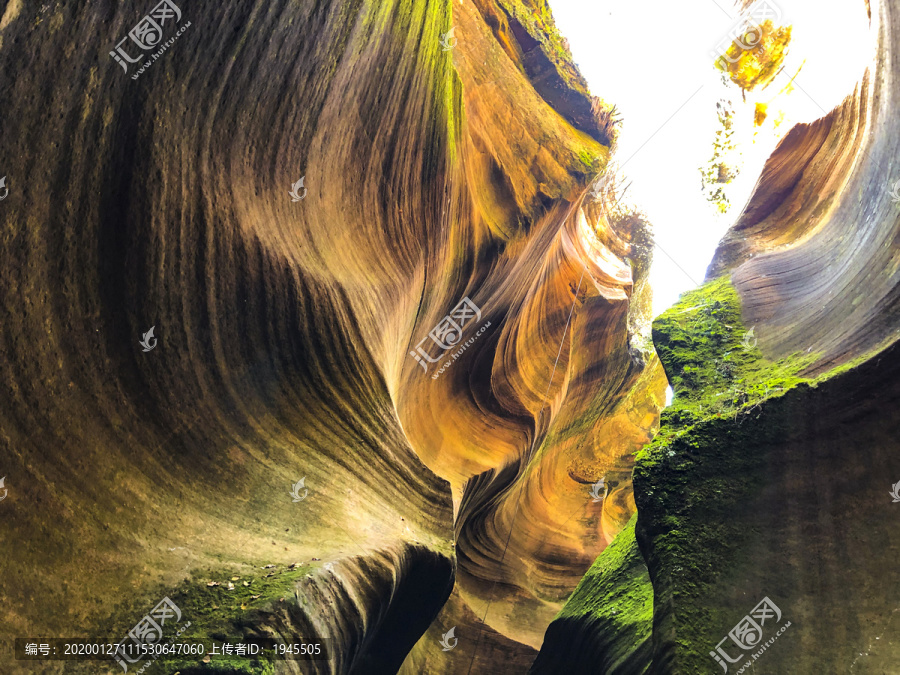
(278, 458)
(377, 399)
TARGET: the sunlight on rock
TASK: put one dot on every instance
(450, 338)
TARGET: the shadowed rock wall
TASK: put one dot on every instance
(432, 171)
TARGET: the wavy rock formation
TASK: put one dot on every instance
(814, 260)
(284, 314)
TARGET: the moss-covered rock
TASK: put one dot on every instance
(605, 625)
(743, 437)
(696, 474)
(528, 34)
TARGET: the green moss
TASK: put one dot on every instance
(607, 622)
(228, 615)
(449, 101)
(693, 481)
(537, 18)
(555, 76)
(616, 588)
(712, 362)
(589, 161)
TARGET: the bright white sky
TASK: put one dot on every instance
(653, 59)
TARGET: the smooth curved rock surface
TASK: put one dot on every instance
(284, 328)
(605, 626)
(813, 254)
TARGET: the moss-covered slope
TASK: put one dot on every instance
(744, 495)
(605, 626)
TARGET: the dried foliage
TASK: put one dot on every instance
(724, 165)
(757, 66)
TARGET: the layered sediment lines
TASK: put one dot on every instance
(431, 174)
(814, 253)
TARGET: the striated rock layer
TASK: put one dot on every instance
(800, 487)
(434, 169)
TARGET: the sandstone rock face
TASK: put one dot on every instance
(801, 212)
(284, 314)
(310, 326)
(781, 502)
